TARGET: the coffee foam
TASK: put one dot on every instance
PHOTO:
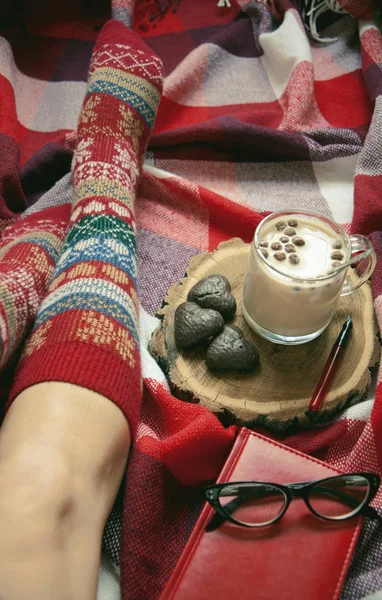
(305, 250)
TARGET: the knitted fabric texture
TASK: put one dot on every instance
(29, 250)
(254, 118)
(89, 316)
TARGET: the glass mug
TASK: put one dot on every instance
(294, 308)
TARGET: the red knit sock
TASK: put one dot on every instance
(29, 249)
(86, 331)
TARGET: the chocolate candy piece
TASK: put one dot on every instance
(264, 244)
(264, 252)
(281, 225)
(294, 259)
(284, 239)
(290, 231)
(298, 241)
(336, 263)
(337, 245)
(289, 248)
(337, 255)
(276, 246)
(214, 292)
(292, 223)
(230, 351)
(193, 324)
(280, 255)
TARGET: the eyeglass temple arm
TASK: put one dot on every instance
(371, 513)
(218, 519)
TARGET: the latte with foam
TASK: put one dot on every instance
(288, 289)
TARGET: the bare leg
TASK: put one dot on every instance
(63, 450)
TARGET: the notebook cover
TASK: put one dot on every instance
(299, 557)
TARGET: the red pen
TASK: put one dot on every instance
(331, 367)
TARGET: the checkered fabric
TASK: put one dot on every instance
(254, 117)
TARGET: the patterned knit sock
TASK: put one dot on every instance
(29, 250)
(86, 331)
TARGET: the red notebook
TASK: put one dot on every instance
(299, 557)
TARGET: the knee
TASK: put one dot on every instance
(47, 534)
(37, 500)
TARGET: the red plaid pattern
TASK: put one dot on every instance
(254, 117)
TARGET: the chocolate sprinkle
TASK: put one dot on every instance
(280, 255)
(292, 223)
(284, 239)
(337, 245)
(264, 244)
(276, 246)
(337, 255)
(289, 248)
(281, 225)
(294, 259)
(298, 241)
(290, 231)
(264, 252)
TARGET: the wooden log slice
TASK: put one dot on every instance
(277, 393)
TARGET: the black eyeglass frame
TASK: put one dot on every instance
(290, 491)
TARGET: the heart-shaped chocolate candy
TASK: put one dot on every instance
(230, 351)
(214, 292)
(194, 324)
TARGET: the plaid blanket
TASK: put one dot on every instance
(254, 117)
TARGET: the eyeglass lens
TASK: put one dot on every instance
(339, 497)
(253, 505)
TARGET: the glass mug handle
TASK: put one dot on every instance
(363, 258)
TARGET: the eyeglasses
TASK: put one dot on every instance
(259, 503)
